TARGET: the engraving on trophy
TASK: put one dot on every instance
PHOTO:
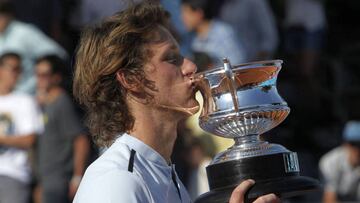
(291, 163)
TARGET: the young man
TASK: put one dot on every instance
(63, 147)
(136, 88)
(254, 24)
(19, 122)
(212, 36)
(341, 166)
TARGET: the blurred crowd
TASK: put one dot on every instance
(45, 148)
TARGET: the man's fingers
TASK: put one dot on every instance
(237, 196)
(270, 198)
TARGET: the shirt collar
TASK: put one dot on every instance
(142, 148)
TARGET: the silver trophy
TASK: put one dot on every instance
(241, 102)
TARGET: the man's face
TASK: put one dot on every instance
(43, 75)
(353, 154)
(190, 17)
(9, 72)
(172, 75)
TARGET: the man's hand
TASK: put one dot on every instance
(2, 138)
(22, 142)
(73, 186)
(238, 194)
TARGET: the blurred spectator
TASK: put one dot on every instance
(254, 23)
(83, 13)
(26, 40)
(63, 147)
(184, 37)
(19, 122)
(305, 24)
(44, 14)
(94, 11)
(199, 159)
(341, 168)
(213, 37)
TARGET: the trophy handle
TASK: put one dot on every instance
(231, 82)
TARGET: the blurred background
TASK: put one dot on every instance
(318, 41)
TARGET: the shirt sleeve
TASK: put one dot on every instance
(113, 187)
(330, 173)
(39, 44)
(70, 124)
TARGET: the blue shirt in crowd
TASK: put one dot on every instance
(221, 41)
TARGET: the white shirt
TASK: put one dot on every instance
(339, 176)
(220, 42)
(308, 13)
(19, 116)
(254, 23)
(108, 180)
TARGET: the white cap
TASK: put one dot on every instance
(352, 131)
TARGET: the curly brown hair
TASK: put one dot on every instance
(120, 43)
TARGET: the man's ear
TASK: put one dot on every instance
(129, 82)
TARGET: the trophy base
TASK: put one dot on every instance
(274, 173)
(283, 188)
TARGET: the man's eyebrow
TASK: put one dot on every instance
(174, 47)
(169, 49)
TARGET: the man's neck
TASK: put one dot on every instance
(203, 29)
(48, 96)
(4, 90)
(2, 31)
(155, 129)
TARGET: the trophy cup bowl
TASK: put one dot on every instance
(241, 102)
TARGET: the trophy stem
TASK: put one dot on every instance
(248, 140)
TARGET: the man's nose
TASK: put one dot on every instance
(188, 68)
